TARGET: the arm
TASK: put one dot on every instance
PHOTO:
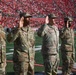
(12, 36)
(2, 34)
(2, 46)
(32, 40)
(62, 33)
(41, 31)
(73, 48)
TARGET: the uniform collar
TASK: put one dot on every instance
(50, 25)
(25, 28)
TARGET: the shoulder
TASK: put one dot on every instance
(44, 25)
(31, 30)
(62, 30)
(1, 28)
(56, 28)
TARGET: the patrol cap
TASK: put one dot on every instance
(68, 19)
(25, 15)
(52, 16)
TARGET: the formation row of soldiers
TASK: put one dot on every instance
(24, 45)
(50, 47)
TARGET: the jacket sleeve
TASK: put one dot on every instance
(33, 39)
(73, 46)
(2, 34)
(11, 37)
(62, 33)
(41, 31)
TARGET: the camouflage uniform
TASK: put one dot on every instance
(50, 35)
(67, 50)
(23, 56)
(2, 51)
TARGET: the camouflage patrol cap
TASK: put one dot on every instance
(25, 15)
(52, 16)
(68, 19)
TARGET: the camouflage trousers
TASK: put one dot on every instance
(24, 68)
(51, 63)
(2, 68)
(67, 62)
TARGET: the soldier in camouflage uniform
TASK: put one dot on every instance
(2, 49)
(67, 46)
(23, 37)
(50, 34)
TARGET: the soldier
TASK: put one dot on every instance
(50, 34)
(67, 46)
(2, 48)
(23, 37)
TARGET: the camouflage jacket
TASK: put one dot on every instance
(2, 45)
(23, 41)
(67, 39)
(50, 35)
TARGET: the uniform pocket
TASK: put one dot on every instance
(68, 48)
(23, 57)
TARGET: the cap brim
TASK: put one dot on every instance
(28, 16)
(52, 17)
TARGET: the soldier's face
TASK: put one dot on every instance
(26, 21)
(70, 23)
(67, 24)
(52, 21)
